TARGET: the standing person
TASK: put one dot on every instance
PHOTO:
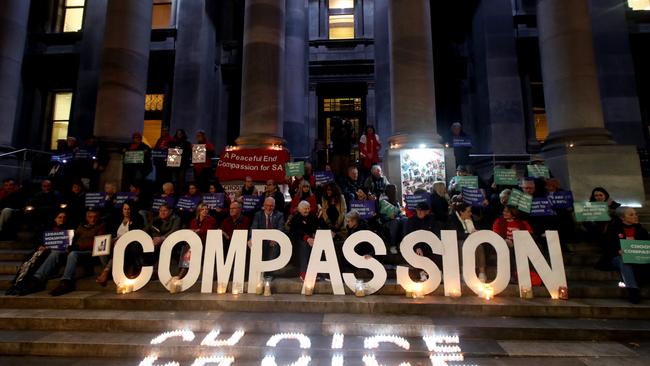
(137, 171)
(203, 171)
(369, 147)
(459, 141)
(376, 183)
(268, 219)
(303, 230)
(163, 174)
(181, 142)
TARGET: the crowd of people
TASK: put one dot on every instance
(300, 210)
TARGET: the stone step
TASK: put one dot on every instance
(15, 244)
(9, 267)
(253, 347)
(324, 324)
(14, 254)
(466, 306)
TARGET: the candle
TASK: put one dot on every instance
(455, 293)
(126, 287)
(417, 291)
(359, 290)
(259, 289)
(526, 293)
(488, 292)
(563, 292)
(309, 290)
(267, 288)
(408, 292)
(175, 285)
(222, 287)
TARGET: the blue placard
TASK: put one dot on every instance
(214, 200)
(463, 141)
(412, 200)
(155, 205)
(562, 200)
(188, 203)
(251, 203)
(473, 196)
(323, 177)
(541, 207)
(122, 197)
(57, 240)
(85, 154)
(159, 154)
(367, 209)
(95, 199)
(62, 158)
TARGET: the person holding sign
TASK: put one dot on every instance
(597, 229)
(24, 282)
(203, 169)
(181, 142)
(137, 160)
(626, 227)
(303, 230)
(131, 220)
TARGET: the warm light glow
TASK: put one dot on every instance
(305, 342)
(60, 117)
(341, 26)
(73, 16)
(488, 292)
(337, 341)
(341, 4)
(212, 341)
(370, 360)
(186, 334)
(337, 360)
(639, 4)
(270, 361)
(373, 342)
(149, 360)
(216, 360)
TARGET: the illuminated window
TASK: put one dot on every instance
(162, 14)
(341, 19)
(62, 103)
(541, 125)
(639, 4)
(151, 131)
(154, 102)
(341, 104)
(73, 15)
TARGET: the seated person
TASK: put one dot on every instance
(392, 218)
(424, 220)
(626, 226)
(131, 220)
(272, 190)
(440, 201)
(303, 230)
(248, 188)
(597, 229)
(332, 213)
(235, 221)
(461, 220)
(376, 183)
(269, 219)
(200, 225)
(80, 251)
(355, 223)
(162, 226)
(304, 194)
(505, 225)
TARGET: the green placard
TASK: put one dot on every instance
(538, 171)
(636, 251)
(505, 177)
(521, 200)
(591, 211)
(294, 169)
(469, 181)
(134, 157)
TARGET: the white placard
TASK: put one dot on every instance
(102, 245)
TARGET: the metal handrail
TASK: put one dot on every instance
(24, 151)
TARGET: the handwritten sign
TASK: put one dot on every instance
(58, 240)
(251, 203)
(214, 200)
(199, 153)
(591, 211)
(95, 199)
(520, 200)
(412, 200)
(174, 156)
(505, 177)
(561, 200)
(159, 154)
(366, 209)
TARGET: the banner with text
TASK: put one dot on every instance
(636, 251)
(505, 177)
(366, 209)
(473, 196)
(591, 211)
(260, 164)
(58, 240)
(520, 200)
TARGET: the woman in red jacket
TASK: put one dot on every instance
(304, 194)
(506, 224)
(369, 147)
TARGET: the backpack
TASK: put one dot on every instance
(26, 271)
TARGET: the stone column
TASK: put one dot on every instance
(123, 79)
(195, 76)
(579, 150)
(14, 15)
(413, 104)
(262, 74)
(296, 74)
(382, 70)
(90, 62)
(573, 106)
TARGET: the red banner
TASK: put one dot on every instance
(260, 164)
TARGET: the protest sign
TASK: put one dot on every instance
(159, 154)
(260, 164)
(134, 157)
(158, 201)
(473, 196)
(85, 154)
(636, 251)
(95, 199)
(505, 177)
(541, 207)
(461, 141)
(214, 200)
(188, 203)
(251, 203)
(58, 240)
(174, 156)
(538, 171)
(199, 154)
(366, 209)
(520, 200)
(469, 181)
(412, 200)
(122, 197)
(294, 169)
(102, 245)
(323, 177)
(591, 211)
(561, 200)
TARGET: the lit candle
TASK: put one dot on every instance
(488, 292)
(408, 292)
(417, 291)
(563, 293)
(221, 288)
(175, 285)
(359, 290)
(526, 293)
(267, 288)
(455, 293)
(126, 287)
(309, 290)
(259, 289)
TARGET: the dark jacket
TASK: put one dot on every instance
(616, 232)
(303, 227)
(429, 223)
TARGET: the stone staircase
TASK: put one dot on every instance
(95, 326)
